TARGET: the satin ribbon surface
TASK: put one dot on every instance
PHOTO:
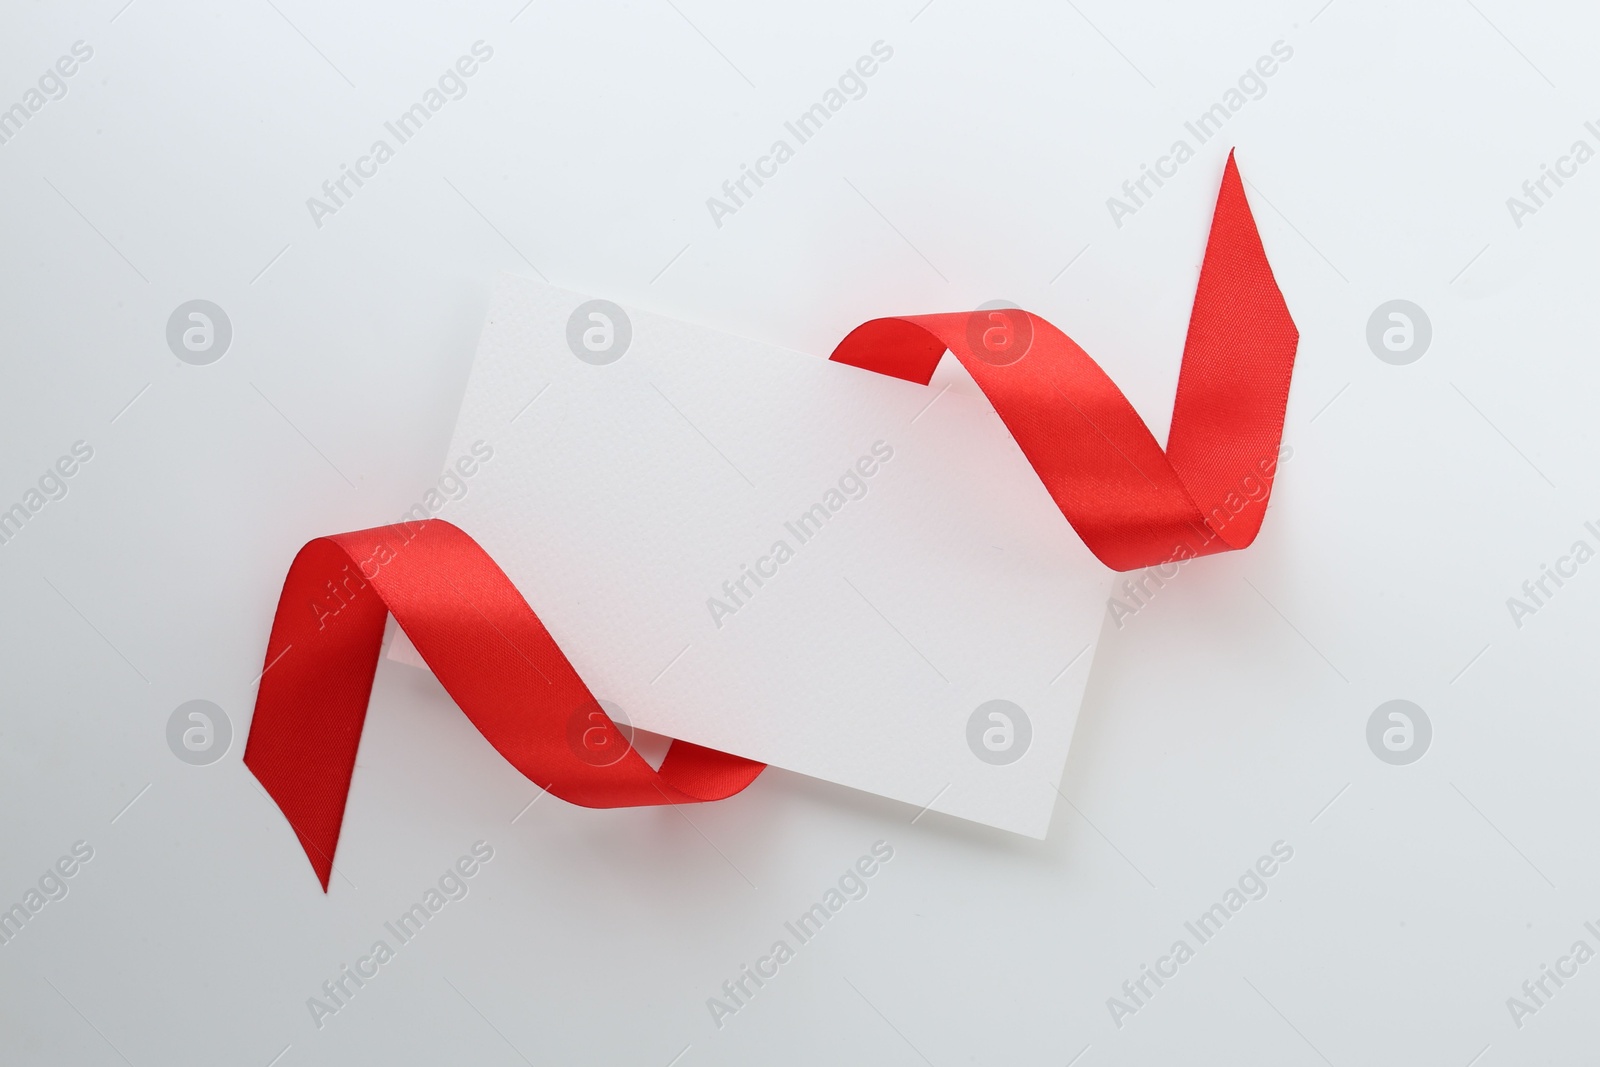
(1133, 504)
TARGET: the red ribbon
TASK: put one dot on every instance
(1133, 504)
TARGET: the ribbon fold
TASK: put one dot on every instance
(1133, 504)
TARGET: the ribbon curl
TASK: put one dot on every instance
(1133, 504)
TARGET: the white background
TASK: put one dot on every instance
(1227, 715)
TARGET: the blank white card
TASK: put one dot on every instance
(828, 570)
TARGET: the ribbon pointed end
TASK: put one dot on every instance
(321, 859)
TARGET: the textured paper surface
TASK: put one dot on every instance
(635, 503)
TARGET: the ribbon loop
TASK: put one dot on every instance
(1133, 504)
(487, 648)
